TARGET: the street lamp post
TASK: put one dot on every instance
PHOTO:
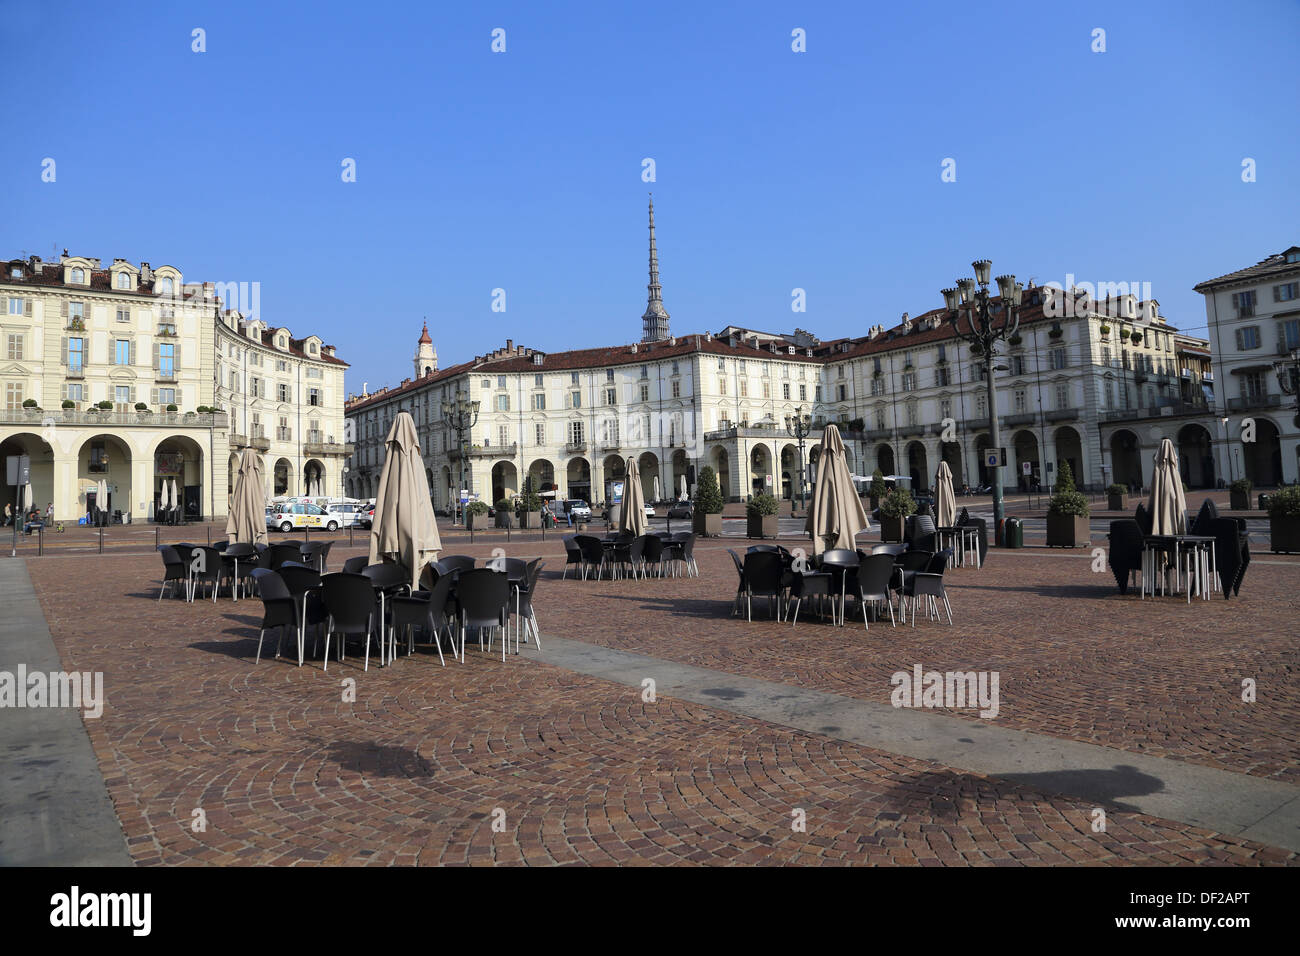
(798, 426)
(461, 415)
(987, 321)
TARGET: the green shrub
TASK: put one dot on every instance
(1242, 485)
(1285, 502)
(29, 403)
(141, 407)
(1117, 489)
(503, 505)
(708, 499)
(1069, 503)
(69, 403)
(878, 489)
(1065, 478)
(106, 405)
(171, 407)
(476, 508)
(899, 503)
(763, 505)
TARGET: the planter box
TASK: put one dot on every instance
(1284, 535)
(532, 519)
(875, 503)
(505, 519)
(891, 529)
(710, 526)
(1067, 531)
(476, 522)
(1116, 502)
(762, 526)
(1239, 500)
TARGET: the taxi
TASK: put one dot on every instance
(297, 514)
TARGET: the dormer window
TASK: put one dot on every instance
(16, 272)
(165, 286)
(313, 348)
(1293, 255)
(78, 276)
(123, 280)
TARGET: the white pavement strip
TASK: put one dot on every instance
(1233, 804)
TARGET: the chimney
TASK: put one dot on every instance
(146, 273)
(510, 345)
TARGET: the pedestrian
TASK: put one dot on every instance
(9, 514)
(49, 513)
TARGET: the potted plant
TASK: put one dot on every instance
(31, 408)
(69, 407)
(761, 519)
(1067, 515)
(1136, 338)
(1055, 332)
(1284, 519)
(708, 504)
(476, 515)
(1117, 497)
(977, 349)
(1015, 339)
(530, 505)
(1105, 330)
(1239, 495)
(505, 513)
(105, 406)
(898, 504)
(878, 489)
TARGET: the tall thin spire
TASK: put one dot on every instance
(654, 323)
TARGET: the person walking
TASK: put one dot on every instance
(49, 513)
(9, 514)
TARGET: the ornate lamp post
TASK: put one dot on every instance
(1288, 378)
(460, 415)
(985, 322)
(798, 426)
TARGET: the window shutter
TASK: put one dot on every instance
(130, 351)
(27, 307)
(153, 396)
(1276, 294)
(132, 393)
(63, 350)
(64, 307)
(177, 400)
(65, 391)
(157, 353)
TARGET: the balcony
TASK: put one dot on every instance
(76, 371)
(1253, 401)
(1024, 418)
(876, 434)
(575, 447)
(911, 431)
(485, 451)
(125, 416)
(1062, 415)
(328, 448)
(161, 376)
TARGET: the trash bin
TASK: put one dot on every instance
(1013, 535)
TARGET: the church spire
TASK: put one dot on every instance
(654, 322)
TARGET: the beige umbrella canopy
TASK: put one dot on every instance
(658, 496)
(631, 516)
(835, 514)
(404, 529)
(1168, 504)
(945, 498)
(682, 494)
(246, 521)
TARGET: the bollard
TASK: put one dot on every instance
(208, 531)
(101, 539)
(157, 542)
(40, 541)
(349, 536)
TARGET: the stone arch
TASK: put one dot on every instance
(1262, 458)
(885, 458)
(41, 473)
(1069, 448)
(1027, 452)
(109, 457)
(918, 465)
(577, 478)
(760, 467)
(282, 478)
(1126, 459)
(505, 480)
(315, 481)
(181, 457)
(1196, 455)
(648, 467)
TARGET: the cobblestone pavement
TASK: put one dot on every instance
(575, 769)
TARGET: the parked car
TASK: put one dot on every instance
(682, 509)
(578, 509)
(350, 515)
(293, 515)
(367, 517)
(649, 511)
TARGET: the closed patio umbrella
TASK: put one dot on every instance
(101, 495)
(176, 495)
(682, 494)
(835, 514)
(1168, 504)
(27, 497)
(658, 496)
(404, 530)
(945, 498)
(631, 517)
(246, 521)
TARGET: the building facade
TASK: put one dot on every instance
(1098, 384)
(1254, 322)
(111, 374)
(283, 397)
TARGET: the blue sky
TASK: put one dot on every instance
(522, 170)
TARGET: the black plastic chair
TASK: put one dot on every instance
(593, 554)
(205, 568)
(524, 606)
(316, 554)
(350, 605)
(572, 554)
(278, 608)
(455, 563)
(740, 584)
(1125, 558)
(907, 564)
(765, 576)
(238, 562)
(484, 599)
(423, 611)
(285, 552)
(875, 572)
(354, 565)
(842, 565)
(927, 584)
(304, 585)
(174, 570)
(652, 554)
(891, 549)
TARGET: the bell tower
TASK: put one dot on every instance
(426, 356)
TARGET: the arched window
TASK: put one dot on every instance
(78, 275)
(165, 285)
(123, 280)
